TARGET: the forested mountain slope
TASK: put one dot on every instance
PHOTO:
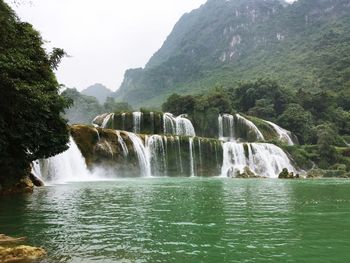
(301, 45)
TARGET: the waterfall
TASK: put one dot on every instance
(65, 167)
(269, 160)
(226, 127)
(221, 127)
(36, 170)
(263, 159)
(200, 154)
(284, 135)
(234, 159)
(107, 119)
(180, 125)
(252, 126)
(169, 126)
(190, 143)
(137, 121)
(122, 144)
(156, 155)
(179, 152)
(184, 126)
(141, 153)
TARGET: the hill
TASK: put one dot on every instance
(301, 45)
(98, 91)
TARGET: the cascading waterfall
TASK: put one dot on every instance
(157, 155)
(234, 159)
(36, 170)
(190, 143)
(122, 144)
(137, 121)
(179, 154)
(184, 126)
(226, 123)
(284, 135)
(68, 166)
(141, 153)
(263, 159)
(107, 119)
(168, 123)
(252, 126)
(221, 127)
(269, 160)
(178, 125)
(200, 153)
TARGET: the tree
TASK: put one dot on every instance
(326, 139)
(251, 96)
(30, 105)
(177, 104)
(112, 106)
(298, 121)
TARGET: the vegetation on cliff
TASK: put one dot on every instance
(303, 45)
(31, 126)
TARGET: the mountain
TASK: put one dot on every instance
(84, 109)
(98, 91)
(301, 45)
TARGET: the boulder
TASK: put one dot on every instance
(35, 180)
(247, 173)
(285, 174)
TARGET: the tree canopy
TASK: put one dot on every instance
(31, 126)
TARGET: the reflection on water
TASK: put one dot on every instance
(185, 220)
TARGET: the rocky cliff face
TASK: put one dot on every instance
(225, 41)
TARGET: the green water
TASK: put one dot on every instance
(186, 220)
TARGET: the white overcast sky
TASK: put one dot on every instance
(104, 37)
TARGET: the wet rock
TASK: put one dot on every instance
(23, 185)
(36, 181)
(315, 173)
(10, 240)
(20, 253)
(247, 173)
(319, 173)
(285, 174)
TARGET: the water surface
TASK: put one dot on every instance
(185, 220)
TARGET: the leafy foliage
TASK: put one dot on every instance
(30, 106)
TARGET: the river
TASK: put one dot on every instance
(185, 220)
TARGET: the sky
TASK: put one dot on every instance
(103, 37)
